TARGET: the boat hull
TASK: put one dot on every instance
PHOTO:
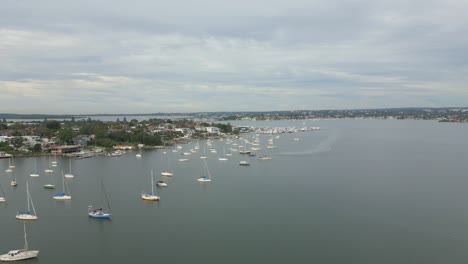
(49, 186)
(99, 215)
(203, 180)
(63, 197)
(20, 256)
(150, 197)
(26, 217)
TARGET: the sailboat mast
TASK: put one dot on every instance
(25, 238)
(152, 183)
(27, 195)
(105, 195)
(3, 192)
(63, 183)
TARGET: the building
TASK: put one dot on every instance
(212, 130)
(65, 149)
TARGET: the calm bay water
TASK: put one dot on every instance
(356, 191)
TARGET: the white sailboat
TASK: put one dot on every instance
(54, 162)
(207, 177)
(223, 158)
(10, 167)
(264, 157)
(62, 195)
(50, 185)
(244, 163)
(204, 154)
(150, 197)
(13, 179)
(69, 174)
(2, 194)
(20, 254)
(34, 174)
(99, 212)
(27, 215)
(167, 173)
(138, 155)
(12, 164)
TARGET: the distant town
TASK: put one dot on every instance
(84, 136)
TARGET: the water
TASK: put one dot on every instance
(357, 191)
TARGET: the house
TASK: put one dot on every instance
(212, 130)
(82, 140)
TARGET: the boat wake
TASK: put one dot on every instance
(324, 146)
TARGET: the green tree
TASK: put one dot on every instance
(4, 146)
(53, 125)
(66, 135)
(37, 148)
(17, 142)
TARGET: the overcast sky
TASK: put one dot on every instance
(145, 56)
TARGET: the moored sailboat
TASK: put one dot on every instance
(207, 177)
(62, 195)
(20, 254)
(99, 212)
(34, 174)
(150, 197)
(27, 215)
(69, 174)
(2, 194)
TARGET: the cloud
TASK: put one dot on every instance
(153, 56)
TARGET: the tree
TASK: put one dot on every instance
(66, 135)
(17, 142)
(53, 125)
(37, 148)
(73, 119)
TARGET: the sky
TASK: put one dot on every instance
(148, 56)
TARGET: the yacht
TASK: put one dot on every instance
(20, 254)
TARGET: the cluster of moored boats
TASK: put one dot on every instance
(245, 147)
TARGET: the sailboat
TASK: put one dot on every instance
(138, 155)
(52, 184)
(150, 197)
(204, 154)
(69, 175)
(12, 165)
(264, 157)
(2, 197)
(207, 177)
(54, 162)
(223, 158)
(62, 195)
(10, 168)
(35, 174)
(27, 215)
(167, 173)
(20, 254)
(99, 212)
(244, 163)
(13, 179)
